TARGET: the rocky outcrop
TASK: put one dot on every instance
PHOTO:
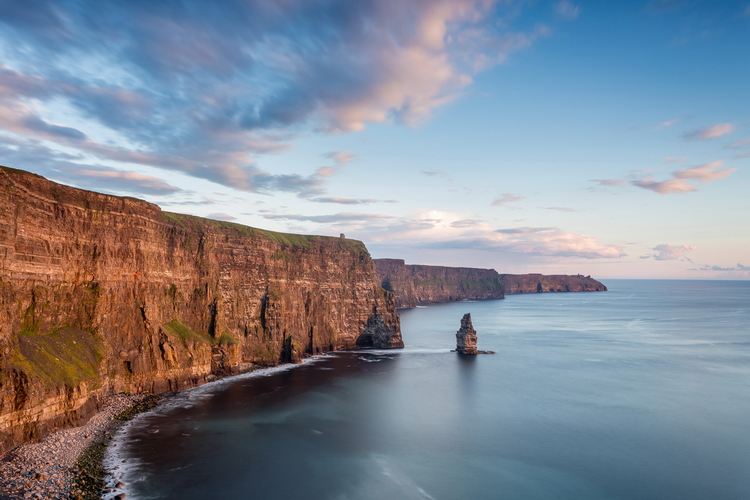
(102, 294)
(413, 284)
(538, 283)
(466, 337)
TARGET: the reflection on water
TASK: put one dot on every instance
(637, 393)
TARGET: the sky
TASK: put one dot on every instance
(605, 138)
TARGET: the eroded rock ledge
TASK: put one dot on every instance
(102, 294)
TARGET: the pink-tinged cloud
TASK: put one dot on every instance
(506, 198)
(670, 186)
(667, 124)
(116, 179)
(708, 133)
(708, 172)
(744, 143)
(671, 252)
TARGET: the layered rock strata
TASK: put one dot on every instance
(102, 294)
(466, 336)
(540, 283)
(413, 284)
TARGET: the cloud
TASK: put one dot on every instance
(670, 252)
(667, 124)
(669, 159)
(708, 133)
(739, 267)
(201, 89)
(506, 198)
(333, 218)
(341, 157)
(434, 173)
(221, 216)
(610, 182)
(130, 181)
(744, 143)
(708, 172)
(567, 10)
(562, 209)
(540, 241)
(347, 201)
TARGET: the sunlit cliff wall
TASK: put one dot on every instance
(103, 294)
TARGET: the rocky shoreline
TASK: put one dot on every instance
(48, 469)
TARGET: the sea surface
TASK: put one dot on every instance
(641, 392)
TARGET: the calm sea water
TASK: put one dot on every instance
(642, 392)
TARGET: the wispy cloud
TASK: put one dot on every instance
(708, 133)
(669, 159)
(707, 267)
(744, 143)
(708, 172)
(221, 216)
(203, 90)
(610, 182)
(567, 10)
(562, 209)
(670, 252)
(506, 198)
(348, 201)
(667, 124)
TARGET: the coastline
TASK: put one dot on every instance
(47, 469)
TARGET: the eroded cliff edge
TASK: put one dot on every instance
(103, 294)
(414, 284)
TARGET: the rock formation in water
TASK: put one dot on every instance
(538, 283)
(466, 336)
(413, 284)
(102, 294)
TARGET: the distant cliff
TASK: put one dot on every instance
(413, 284)
(104, 294)
(536, 283)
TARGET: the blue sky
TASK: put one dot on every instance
(596, 137)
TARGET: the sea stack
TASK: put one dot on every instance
(466, 337)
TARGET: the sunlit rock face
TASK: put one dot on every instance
(414, 284)
(103, 294)
(539, 283)
(466, 337)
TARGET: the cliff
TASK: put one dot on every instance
(536, 283)
(413, 284)
(102, 294)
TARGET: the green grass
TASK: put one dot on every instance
(191, 222)
(185, 333)
(65, 357)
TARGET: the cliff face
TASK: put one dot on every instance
(104, 294)
(536, 283)
(414, 283)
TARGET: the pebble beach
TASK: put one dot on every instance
(47, 469)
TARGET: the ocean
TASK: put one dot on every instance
(641, 392)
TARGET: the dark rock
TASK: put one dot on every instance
(466, 337)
